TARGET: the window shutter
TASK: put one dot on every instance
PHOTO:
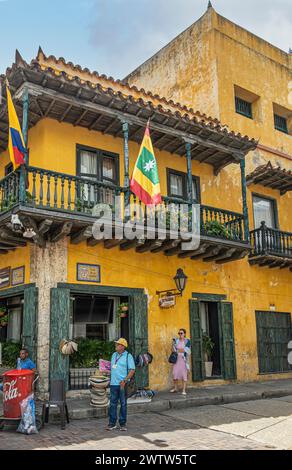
(30, 318)
(138, 318)
(196, 341)
(228, 347)
(59, 329)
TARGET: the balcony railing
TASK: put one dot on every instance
(55, 191)
(270, 241)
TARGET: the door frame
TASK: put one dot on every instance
(101, 290)
(219, 299)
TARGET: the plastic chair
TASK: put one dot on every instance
(57, 399)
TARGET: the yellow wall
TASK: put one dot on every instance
(200, 69)
(53, 146)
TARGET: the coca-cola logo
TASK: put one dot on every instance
(10, 391)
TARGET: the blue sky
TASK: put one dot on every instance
(115, 36)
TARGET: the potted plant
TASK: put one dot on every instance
(123, 310)
(2, 312)
(208, 347)
(4, 321)
(214, 228)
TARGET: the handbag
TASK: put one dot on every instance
(173, 358)
(130, 387)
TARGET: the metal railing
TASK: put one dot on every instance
(57, 191)
(266, 240)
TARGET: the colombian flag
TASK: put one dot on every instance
(145, 180)
(16, 143)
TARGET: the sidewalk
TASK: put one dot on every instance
(79, 408)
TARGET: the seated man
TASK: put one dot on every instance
(24, 361)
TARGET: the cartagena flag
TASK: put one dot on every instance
(16, 143)
(145, 180)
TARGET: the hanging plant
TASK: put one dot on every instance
(3, 312)
(123, 309)
(4, 321)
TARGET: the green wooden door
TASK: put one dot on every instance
(30, 319)
(273, 336)
(59, 329)
(196, 341)
(138, 322)
(228, 360)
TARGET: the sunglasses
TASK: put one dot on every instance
(181, 332)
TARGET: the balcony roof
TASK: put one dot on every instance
(68, 93)
(271, 177)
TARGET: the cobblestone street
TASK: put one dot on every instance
(253, 425)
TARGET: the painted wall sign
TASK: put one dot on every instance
(167, 301)
(17, 276)
(88, 272)
(5, 277)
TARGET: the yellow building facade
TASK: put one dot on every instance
(231, 284)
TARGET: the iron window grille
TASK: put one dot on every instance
(280, 123)
(243, 107)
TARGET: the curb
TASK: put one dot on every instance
(160, 405)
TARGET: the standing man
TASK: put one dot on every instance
(122, 370)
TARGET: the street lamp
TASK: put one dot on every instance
(180, 280)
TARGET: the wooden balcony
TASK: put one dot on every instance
(56, 205)
(271, 248)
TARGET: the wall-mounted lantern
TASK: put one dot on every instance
(180, 280)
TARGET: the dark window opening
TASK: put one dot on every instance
(281, 123)
(265, 210)
(96, 166)
(92, 317)
(243, 107)
(8, 169)
(177, 183)
(210, 326)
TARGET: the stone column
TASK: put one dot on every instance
(48, 267)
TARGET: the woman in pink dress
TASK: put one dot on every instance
(182, 346)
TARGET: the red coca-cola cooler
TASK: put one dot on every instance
(17, 385)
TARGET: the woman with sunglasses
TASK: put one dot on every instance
(182, 346)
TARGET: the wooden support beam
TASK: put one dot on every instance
(131, 244)
(80, 118)
(9, 236)
(28, 222)
(110, 125)
(6, 248)
(225, 255)
(174, 251)
(212, 254)
(67, 110)
(108, 244)
(61, 232)
(45, 226)
(166, 245)
(49, 108)
(81, 236)
(194, 253)
(237, 256)
(149, 246)
(95, 122)
(93, 241)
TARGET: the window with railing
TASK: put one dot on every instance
(243, 107)
(177, 185)
(281, 123)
